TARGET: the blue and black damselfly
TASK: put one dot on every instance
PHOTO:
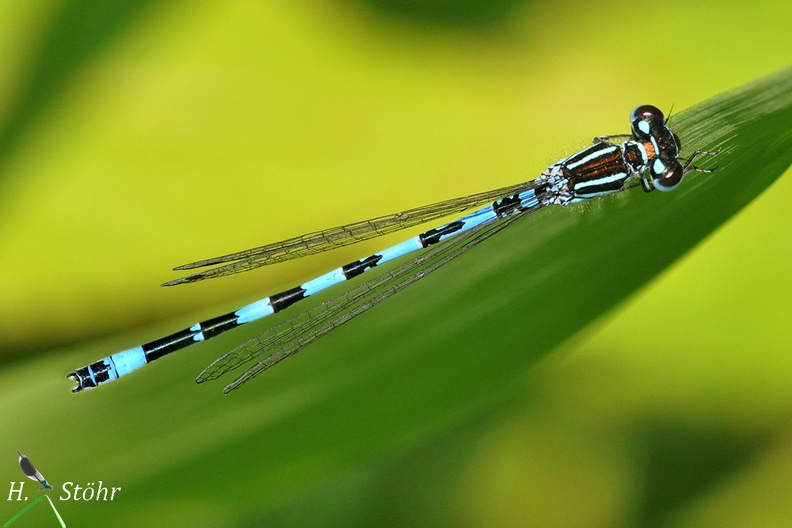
(648, 156)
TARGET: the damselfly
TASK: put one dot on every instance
(649, 157)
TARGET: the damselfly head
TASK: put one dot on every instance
(661, 146)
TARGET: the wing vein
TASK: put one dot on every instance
(335, 237)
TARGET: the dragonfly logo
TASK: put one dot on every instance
(32, 473)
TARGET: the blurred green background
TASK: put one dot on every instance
(135, 136)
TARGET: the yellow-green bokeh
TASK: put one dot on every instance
(207, 127)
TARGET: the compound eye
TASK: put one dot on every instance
(646, 112)
(641, 120)
(669, 179)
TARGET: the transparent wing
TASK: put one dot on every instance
(335, 237)
(290, 337)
